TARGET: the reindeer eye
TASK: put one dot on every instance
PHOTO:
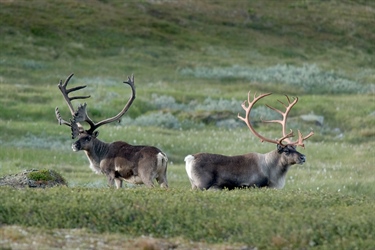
(88, 138)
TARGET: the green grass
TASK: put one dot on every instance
(194, 62)
(265, 218)
(326, 203)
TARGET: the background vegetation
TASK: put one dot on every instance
(194, 62)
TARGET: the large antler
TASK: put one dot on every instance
(81, 114)
(285, 136)
(65, 92)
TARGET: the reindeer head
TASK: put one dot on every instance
(86, 137)
(290, 155)
(85, 141)
(288, 149)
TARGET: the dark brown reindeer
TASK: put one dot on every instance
(117, 160)
(214, 171)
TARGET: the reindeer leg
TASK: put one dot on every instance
(110, 181)
(162, 180)
(214, 188)
(147, 174)
(148, 182)
(193, 186)
(118, 183)
(147, 179)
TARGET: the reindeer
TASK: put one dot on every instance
(214, 171)
(119, 161)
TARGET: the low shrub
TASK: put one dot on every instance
(308, 78)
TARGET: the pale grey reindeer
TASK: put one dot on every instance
(214, 171)
(119, 161)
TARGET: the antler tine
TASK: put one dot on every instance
(59, 119)
(300, 140)
(287, 97)
(130, 80)
(81, 114)
(285, 137)
(65, 92)
(284, 115)
(75, 127)
(246, 119)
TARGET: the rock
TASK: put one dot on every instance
(33, 178)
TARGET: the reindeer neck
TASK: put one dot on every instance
(271, 159)
(276, 168)
(98, 150)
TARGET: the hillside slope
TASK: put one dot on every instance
(333, 34)
(189, 54)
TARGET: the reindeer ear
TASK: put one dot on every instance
(280, 148)
(75, 129)
(95, 134)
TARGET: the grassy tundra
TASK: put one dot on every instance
(194, 62)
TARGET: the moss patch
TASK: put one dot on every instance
(34, 178)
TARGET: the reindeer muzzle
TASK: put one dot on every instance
(76, 147)
(302, 159)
